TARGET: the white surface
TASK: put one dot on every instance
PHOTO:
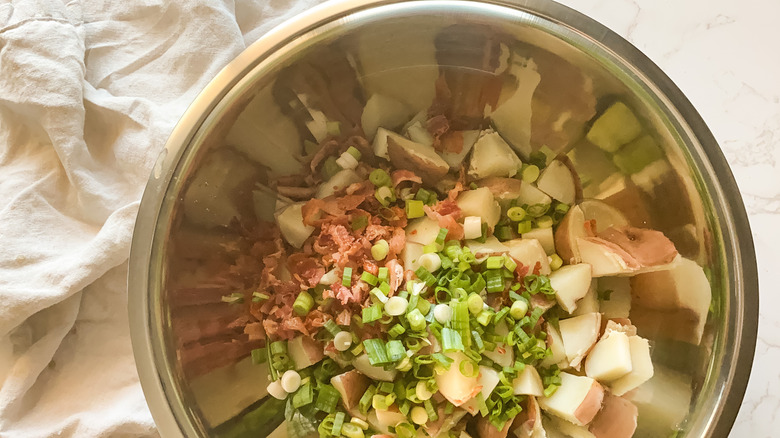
(723, 56)
(88, 94)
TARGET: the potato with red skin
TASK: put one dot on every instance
(569, 230)
(305, 352)
(647, 247)
(577, 400)
(673, 303)
(351, 385)
(420, 159)
(486, 429)
(617, 418)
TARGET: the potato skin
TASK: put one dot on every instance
(405, 158)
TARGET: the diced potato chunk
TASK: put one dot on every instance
(577, 400)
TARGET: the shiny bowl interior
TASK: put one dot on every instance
(195, 370)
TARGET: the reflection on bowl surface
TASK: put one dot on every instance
(446, 76)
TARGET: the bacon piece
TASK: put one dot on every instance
(448, 219)
(255, 331)
(437, 126)
(327, 149)
(399, 176)
(396, 242)
(396, 274)
(344, 318)
(305, 269)
(452, 142)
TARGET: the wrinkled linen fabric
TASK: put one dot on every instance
(89, 92)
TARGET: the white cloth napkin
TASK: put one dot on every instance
(89, 92)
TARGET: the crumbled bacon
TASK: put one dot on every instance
(446, 213)
(437, 126)
(452, 142)
(305, 269)
(399, 176)
(344, 318)
(255, 331)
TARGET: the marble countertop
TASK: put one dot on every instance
(719, 53)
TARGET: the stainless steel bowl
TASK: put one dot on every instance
(181, 225)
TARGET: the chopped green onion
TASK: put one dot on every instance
(481, 405)
(495, 281)
(424, 275)
(468, 368)
(451, 340)
(475, 303)
(550, 390)
(372, 313)
(327, 399)
(530, 173)
(379, 295)
(424, 196)
(555, 262)
(498, 317)
(354, 152)
(366, 399)
(414, 209)
(537, 210)
(234, 298)
(485, 317)
(503, 232)
(442, 360)
(347, 161)
(495, 262)
(509, 263)
(369, 278)
(396, 306)
(338, 421)
(441, 236)
(379, 402)
(380, 178)
(423, 306)
(479, 284)
(385, 195)
(523, 227)
(331, 326)
(359, 222)
(430, 409)
(375, 349)
(384, 287)
(562, 208)
(259, 355)
(346, 277)
(303, 303)
(330, 167)
(380, 250)
(278, 347)
(416, 320)
(430, 248)
(460, 321)
(384, 272)
(395, 350)
(544, 222)
(519, 308)
(396, 331)
(516, 214)
(359, 423)
(350, 430)
(405, 430)
(303, 396)
(259, 296)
